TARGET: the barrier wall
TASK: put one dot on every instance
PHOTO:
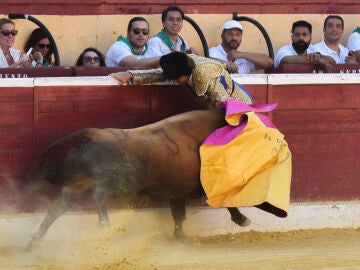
(16, 128)
(319, 115)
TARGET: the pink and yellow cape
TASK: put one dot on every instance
(247, 162)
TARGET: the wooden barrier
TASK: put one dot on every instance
(95, 7)
(16, 129)
(6, 73)
(310, 68)
(320, 116)
(318, 113)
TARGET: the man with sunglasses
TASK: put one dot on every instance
(10, 57)
(133, 51)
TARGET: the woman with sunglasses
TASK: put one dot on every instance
(42, 50)
(90, 57)
(10, 57)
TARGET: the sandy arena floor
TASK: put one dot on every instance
(76, 241)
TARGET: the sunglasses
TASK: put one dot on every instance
(89, 59)
(144, 31)
(7, 33)
(42, 46)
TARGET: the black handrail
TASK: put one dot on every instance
(43, 27)
(200, 33)
(261, 28)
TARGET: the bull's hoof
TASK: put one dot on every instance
(179, 234)
(242, 221)
(31, 246)
(245, 222)
(181, 237)
(104, 223)
(33, 243)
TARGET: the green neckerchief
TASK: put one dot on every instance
(127, 42)
(165, 38)
(45, 63)
(357, 30)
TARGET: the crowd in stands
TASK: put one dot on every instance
(325, 53)
(138, 50)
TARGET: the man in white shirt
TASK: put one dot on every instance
(353, 44)
(330, 45)
(245, 62)
(168, 39)
(300, 50)
(133, 51)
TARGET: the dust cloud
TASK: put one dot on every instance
(134, 241)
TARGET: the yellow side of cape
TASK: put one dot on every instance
(254, 168)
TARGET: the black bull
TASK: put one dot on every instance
(157, 159)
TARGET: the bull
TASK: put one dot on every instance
(159, 159)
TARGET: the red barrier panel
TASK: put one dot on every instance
(322, 126)
(321, 123)
(16, 132)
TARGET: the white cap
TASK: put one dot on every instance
(232, 24)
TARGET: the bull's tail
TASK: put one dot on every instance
(37, 177)
(86, 132)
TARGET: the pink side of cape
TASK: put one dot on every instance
(226, 134)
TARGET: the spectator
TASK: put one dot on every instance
(245, 62)
(42, 49)
(133, 51)
(330, 45)
(168, 39)
(353, 44)
(301, 51)
(90, 57)
(10, 57)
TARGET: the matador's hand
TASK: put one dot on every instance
(122, 76)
